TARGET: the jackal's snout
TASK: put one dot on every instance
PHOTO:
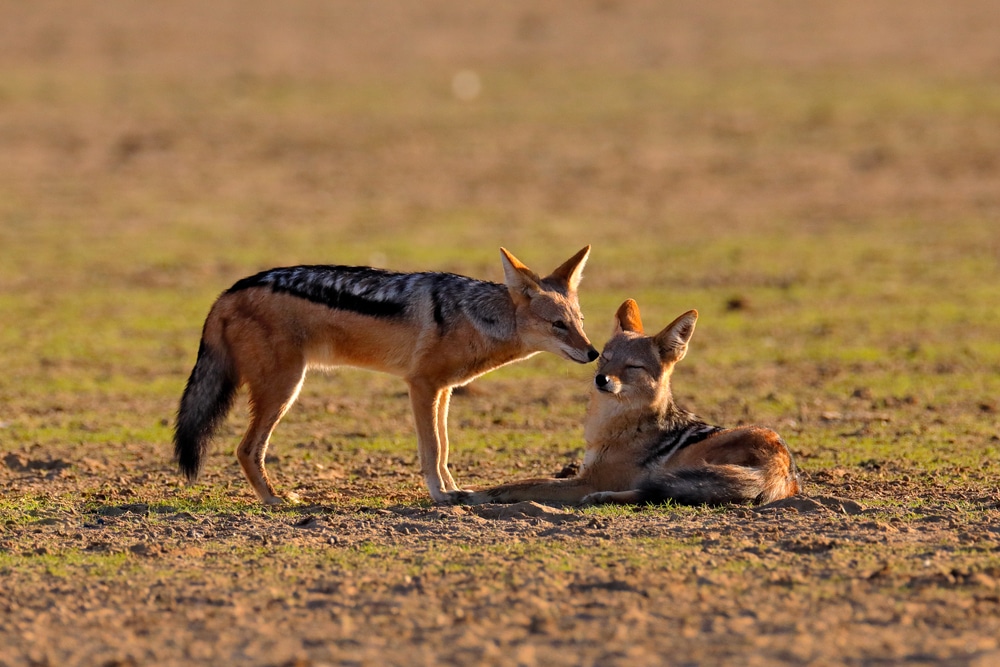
(575, 346)
(607, 384)
(579, 355)
(582, 355)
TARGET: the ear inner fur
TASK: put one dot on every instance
(570, 272)
(520, 280)
(675, 336)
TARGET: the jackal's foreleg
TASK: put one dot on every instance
(425, 400)
(568, 491)
(619, 497)
(444, 398)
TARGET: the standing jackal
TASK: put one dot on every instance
(641, 447)
(435, 330)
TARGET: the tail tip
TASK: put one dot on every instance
(190, 475)
(188, 463)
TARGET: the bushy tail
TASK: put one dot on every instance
(205, 403)
(721, 484)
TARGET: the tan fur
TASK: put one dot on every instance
(632, 414)
(269, 340)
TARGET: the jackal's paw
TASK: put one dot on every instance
(460, 497)
(276, 501)
(597, 498)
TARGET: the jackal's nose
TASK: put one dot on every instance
(592, 354)
(601, 380)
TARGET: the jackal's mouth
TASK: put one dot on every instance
(581, 356)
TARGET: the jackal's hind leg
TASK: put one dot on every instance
(268, 404)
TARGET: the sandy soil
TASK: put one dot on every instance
(818, 579)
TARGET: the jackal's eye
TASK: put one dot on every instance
(635, 367)
(559, 325)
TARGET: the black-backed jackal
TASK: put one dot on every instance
(435, 330)
(641, 447)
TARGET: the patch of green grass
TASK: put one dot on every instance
(210, 499)
(69, 563)
(31, 508)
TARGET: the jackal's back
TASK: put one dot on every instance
(379, 293)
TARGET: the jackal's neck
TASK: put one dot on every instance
(662, 404)
(490, 309)
(665, 412)
(676, 418)
(614, 424)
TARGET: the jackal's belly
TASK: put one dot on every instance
(321, 359)
(382, 350)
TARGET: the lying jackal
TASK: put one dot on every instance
(435, 330)
(641, 447)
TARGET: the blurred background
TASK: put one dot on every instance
(312, 130)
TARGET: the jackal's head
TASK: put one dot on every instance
(635, 368)
(547, 309)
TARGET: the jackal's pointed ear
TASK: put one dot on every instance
(571, 271)
(673, 340)
(627, 318)
(520, 280)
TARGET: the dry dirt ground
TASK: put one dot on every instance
(819, 179)
(813, 580)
